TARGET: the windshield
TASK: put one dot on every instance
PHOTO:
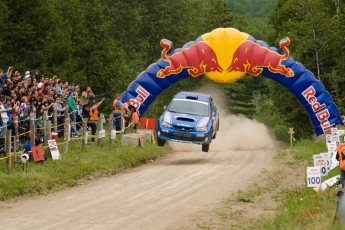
(189, 106)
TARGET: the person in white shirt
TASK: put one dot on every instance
(3, 111)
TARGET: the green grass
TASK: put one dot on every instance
(75, 165)
(304, 208)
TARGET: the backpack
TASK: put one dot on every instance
(341, 155)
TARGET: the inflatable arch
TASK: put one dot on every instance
(226, 55)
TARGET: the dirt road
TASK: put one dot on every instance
(161, 195)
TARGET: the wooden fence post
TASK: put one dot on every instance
(122, 120)
(44, 117)
(111, 126)
(55, 121)
(67, 131)
(83, 143)
(48, 132)
(16, 138)
(8, 149)
(32, 129)
(99, 128)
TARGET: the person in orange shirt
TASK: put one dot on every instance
(117, 104)
(94, 115)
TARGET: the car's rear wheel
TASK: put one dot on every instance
(160, 142)
(205, 148)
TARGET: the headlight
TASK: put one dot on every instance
(166, 120)
(202, 126)
(201, 129)
(166, 124)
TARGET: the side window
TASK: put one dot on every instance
(212, 105)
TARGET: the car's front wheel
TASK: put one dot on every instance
(160, 142)
(205, 148)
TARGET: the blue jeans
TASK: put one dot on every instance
(117, 122)
(73, 120)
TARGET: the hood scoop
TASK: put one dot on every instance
(185, 119)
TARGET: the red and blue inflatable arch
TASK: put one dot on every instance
(226, 55)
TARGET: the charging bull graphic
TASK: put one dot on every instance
(205, 60)
(226, 55)
(243, 59)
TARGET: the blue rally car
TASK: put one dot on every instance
(190, 117)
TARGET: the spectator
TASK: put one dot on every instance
(84, 101)
(342, 119)
(14, 107)
(341, 158)
(22, 107)
(58, 89)
(4, 118)
(27, 75)
(117, 112)
(86, 96)
(47, 106)
(94, 117)
(134, 117)
(72, 110)
(3, 111)
(60, 117)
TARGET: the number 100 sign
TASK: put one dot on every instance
(313, 176)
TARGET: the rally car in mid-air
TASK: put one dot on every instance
(190, 117)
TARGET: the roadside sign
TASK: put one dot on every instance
(313, 177)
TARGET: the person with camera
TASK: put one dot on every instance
(84, 101)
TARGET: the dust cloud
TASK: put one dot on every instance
(236, 132)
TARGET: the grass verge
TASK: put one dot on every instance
(278, 198)
(74, 166)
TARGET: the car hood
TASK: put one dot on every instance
(187, 120)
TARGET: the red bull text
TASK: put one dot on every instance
(322, 116)
(143, 94)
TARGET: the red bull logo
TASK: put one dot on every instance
(251, 57)
(198, 58)
(323, 115)
(143, 94)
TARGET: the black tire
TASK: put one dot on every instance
(205, 148)
(160, 142)
(218, 125)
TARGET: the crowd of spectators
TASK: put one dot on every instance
(21, 95)
(34, 93)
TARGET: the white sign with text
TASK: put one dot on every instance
(313, 176)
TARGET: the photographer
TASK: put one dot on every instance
(86, 96)
(84, 101)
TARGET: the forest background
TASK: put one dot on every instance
(107, 43)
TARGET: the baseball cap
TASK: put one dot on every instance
(27, 73)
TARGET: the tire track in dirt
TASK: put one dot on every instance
(154, 196)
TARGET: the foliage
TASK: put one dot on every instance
(106, 44)
(316, 31)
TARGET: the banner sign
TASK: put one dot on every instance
(54, 149)
(313, 176)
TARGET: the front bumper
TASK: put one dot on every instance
(200, 138)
